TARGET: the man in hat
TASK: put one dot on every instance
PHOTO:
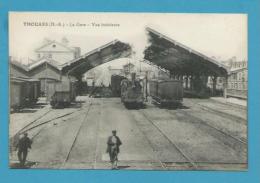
(113, 144)
(22, 146)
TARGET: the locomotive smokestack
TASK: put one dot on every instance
(133, 79)
(133, 75)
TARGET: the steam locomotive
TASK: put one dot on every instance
(132, 92)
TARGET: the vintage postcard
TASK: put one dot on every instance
(138, 91)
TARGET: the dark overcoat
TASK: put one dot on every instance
(24, 143)
(110, 144)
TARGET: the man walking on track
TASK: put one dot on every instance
(113, 144)
(22, 146)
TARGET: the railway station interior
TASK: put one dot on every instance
(206, 130)
(181, 62)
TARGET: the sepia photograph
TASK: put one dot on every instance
(128, 91)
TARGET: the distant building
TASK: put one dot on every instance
(237, 79)
(237, 83)
(231, 64)
(115, 70)
(238, 65)
(60, 52)
(46, 67)
(49, 57)
(128, 68)
(90, 81)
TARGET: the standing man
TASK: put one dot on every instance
(113, 144)
(22, 146)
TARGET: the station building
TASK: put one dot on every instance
(49, 57)
(58, 51)
(46, 70)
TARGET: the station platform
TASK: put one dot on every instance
(233, 101)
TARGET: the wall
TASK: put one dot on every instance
(237, 84)
(44, 71)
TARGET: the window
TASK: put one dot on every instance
(234, 77)
(50, 55)
(39, 55)
(239, 76)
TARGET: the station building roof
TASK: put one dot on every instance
(42, 61)
(110, 51)
(19, 65)
(180, 59)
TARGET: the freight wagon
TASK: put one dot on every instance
(62, 93)
(132, 92)
(166, 92)
(116, 85)
(23, 92)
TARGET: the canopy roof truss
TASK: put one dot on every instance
(180, 59)
(111, 51)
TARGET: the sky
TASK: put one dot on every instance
(220, 35)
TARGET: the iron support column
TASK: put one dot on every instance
(214, 79)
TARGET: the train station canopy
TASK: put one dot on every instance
(180, 59)
(110, 51)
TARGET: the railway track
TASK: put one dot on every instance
(213, 127)
(166, 165)
(32, 125)
(157, 158)
(97, 139)
(228, 139)
(229, 104)
(76, 136)
(14, 139)
(233, 117)
(204, 108)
